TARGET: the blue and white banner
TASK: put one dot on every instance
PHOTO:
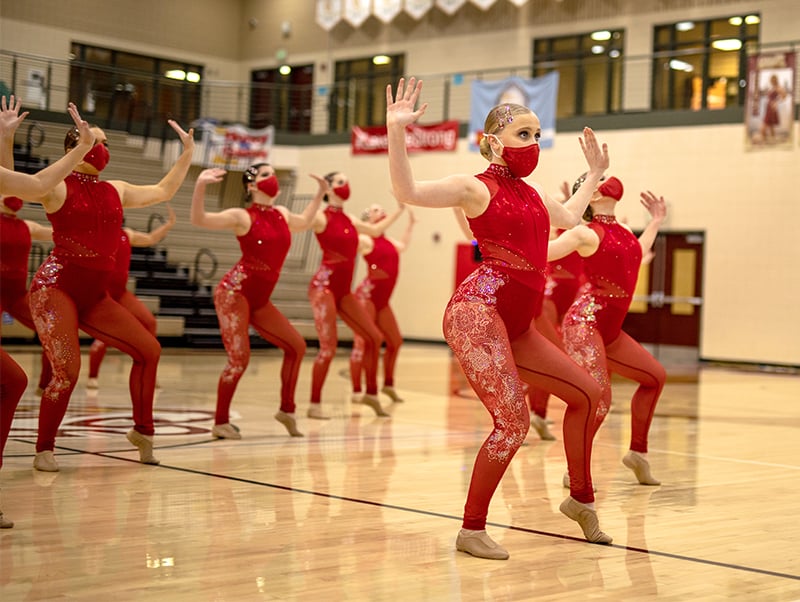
(540, 94)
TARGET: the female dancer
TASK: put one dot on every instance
(242, 297)
(118, 287)
(69, 293)
(13, 379)
(592, 327)
(330, 294)
(488, 320)
(382, 256)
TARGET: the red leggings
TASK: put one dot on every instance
(58, 318)
(129, 301)
(325, 307)
(12, 385)
(627, 358)
(235, 317)
(545, 324)
(14, 300)
(387, 325)
(475, 327)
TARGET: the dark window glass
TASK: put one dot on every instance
(284, 101)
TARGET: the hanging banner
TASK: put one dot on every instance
(418, 8)
(484, 4)
(419, 138)
(450, 6)
(386, 10)
(540, 94)
(518, 3)
(356, 11)
(329, 13)
(232, 147)
(769, 105)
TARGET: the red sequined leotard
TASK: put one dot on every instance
(611, 273)
(15, 245)
(118, 281)
(339, 243)
(383, 264)
(264, 249)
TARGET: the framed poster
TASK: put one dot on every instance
(769, 106)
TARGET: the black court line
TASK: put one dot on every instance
(344, 498)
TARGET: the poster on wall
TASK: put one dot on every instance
(539, 93)
(769, 106)
(233, 147)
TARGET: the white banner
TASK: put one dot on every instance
(329, 13)
(232, 147)
(450, 6)
(518, 2)
(386, 10)
(418, 8)
(356, 11)
(483, 4)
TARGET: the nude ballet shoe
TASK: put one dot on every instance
(479, 544)
(373, 402)
(226, 431)
(315, 412)
(540, 426)
(391, 393)
(640, 467)
(5, 523)
(287, 420)
(586, 518)
(145, 445)
(45, 461)
(92, 384)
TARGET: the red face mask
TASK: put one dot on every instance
(343, 191)
(269, 186)
(611, 188)
(97, 157)
(520, 160)
(12, 202)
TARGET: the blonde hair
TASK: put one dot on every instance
(498, 118)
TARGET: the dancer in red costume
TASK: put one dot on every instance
(330, 292)
(242, 297)
(118, 287)
(69, 291)
(382, 256)
(592, 327)
(13, 379)
(487, 323)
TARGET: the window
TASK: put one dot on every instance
(702, 64)
(123, 90)
(590, 71)
(359, 92)
(282, 97)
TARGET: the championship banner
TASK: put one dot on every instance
(769, 105)
(233, 147)
(419, 138)
(540, 94)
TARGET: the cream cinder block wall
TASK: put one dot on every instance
(744, 201)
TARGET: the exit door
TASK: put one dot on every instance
(668, 301)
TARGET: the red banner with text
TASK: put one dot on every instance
(419, 138)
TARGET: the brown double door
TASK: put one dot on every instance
(667, 306)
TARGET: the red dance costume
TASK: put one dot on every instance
(373, 293)
(487, 325)
(564, 278)
(329, 293)
(118, 290)
(15, 247)
(69, 291)
(242, 298)
(592, 328)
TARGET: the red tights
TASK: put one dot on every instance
(355, 316)
(387, 325)
(12, 385)
(129, 301)
(235, 317)
(57, 320)
(545, 324)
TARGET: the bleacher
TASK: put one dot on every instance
(176, 279)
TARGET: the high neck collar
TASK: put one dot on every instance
(502, 171)
(604, 219)
(85, 177)
(262, 207)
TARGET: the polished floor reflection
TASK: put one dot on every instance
(367, 508)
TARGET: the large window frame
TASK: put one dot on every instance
(590, 67)
(702, 65)
(282, 97)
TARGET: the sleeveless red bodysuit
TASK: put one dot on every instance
(383, 265)
(339, 243)
(118, 281)
(15, 245)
